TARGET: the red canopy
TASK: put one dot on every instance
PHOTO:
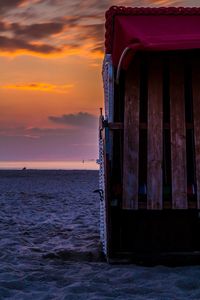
(151, 29)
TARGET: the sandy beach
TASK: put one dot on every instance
(49, 245)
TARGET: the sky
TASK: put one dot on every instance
(51, 54)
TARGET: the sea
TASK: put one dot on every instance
(50, 165)
(50, 248)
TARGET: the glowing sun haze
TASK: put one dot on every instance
(50, 82)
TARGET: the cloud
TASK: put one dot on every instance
(10, 4)
(71, 38)
(37, 31)
(80, 119)
(53, 2)
(3, 26)
(39, 86)
(77, 32)
(15, 44)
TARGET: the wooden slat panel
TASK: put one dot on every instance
(178, 134)
(131, 137)
(116, 126)
(196, 114)
(155, 135)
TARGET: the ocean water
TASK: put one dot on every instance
(50, 165)
(49, 245)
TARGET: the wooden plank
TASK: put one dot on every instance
(155, 135)
(131, 137)
(178, 134)
(196, 115)
(116, 126)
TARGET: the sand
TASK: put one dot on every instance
(49, 245)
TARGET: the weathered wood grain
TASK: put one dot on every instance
(155, 135)
(178, 134)
(196, 115)
(116, 126)
(131, 137)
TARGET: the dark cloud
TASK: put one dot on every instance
(13, 44)
(23, 37)
(3, 26)
(10, 4)
(37, 31)
(28, 14)
(54, 2)
(80, 119)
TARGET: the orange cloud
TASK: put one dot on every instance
(38, 39)
(84, 51)
(39, 86)
(165, 2)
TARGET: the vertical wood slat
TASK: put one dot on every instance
(155, 135)
(131, 137)
(196, 115)
(178, 135)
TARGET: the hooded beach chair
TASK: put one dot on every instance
(149, 137)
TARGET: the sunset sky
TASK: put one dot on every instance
(51, 54)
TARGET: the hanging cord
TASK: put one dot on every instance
(120, 63)
(134, 47)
